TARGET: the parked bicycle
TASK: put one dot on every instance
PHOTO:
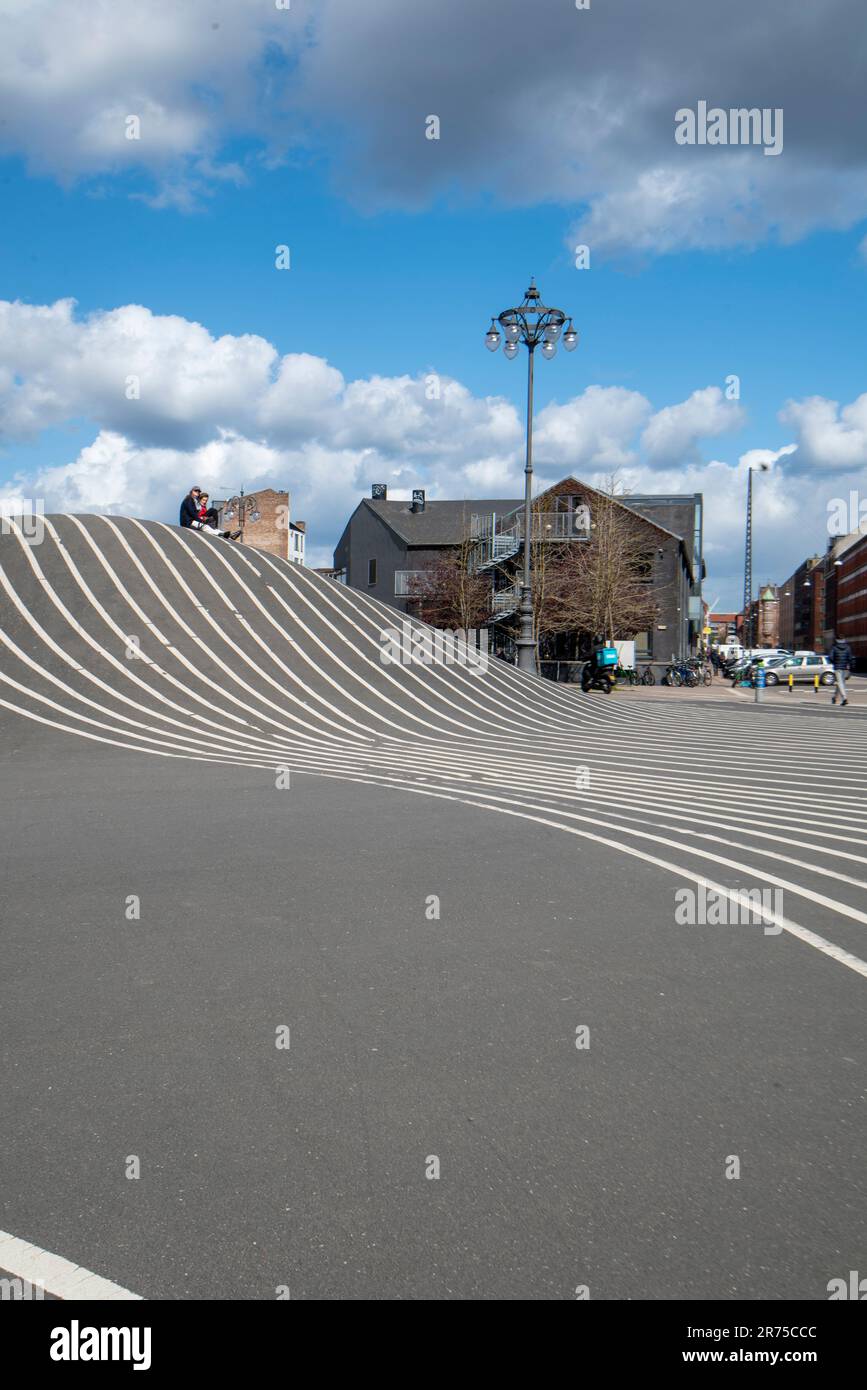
(630, 675)
(680, 673)
(703, 670)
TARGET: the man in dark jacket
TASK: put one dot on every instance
(190, 509)
(191, 516)
(840, 657)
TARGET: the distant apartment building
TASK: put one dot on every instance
(802, 608)
(760, 625)
(264, 519)
(845, 566)
(721, 627)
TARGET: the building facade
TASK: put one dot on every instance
(721, 627)
(266, 523)
(386, 543)
(802, 608)
(846, 594)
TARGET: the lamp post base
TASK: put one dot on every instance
(526, 643)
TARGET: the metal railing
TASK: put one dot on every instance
(546, 525)
(505, 601)
(406, 583)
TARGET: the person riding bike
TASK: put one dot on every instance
(598, 674)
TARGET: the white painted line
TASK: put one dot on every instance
(57, 1276)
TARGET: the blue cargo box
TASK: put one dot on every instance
(606, 656)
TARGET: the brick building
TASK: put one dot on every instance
(720, 627)
(846, 593)
(760, 626)
(266, 523)
(802, 608)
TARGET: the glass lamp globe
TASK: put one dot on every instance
(549, 350)
(570, 338)
(552, 332)
(492, 338)
(513, 332)
(511, 350)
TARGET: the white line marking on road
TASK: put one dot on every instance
(55, 1275)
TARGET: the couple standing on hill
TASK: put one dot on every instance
(198, 516)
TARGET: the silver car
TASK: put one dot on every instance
(800, 668)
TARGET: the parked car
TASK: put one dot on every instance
(800, 668)
(743, 669)
(765, 655)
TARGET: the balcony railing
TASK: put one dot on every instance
(505, 601)
(547, 526)
(406, 583)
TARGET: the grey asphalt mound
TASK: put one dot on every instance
(416, 910)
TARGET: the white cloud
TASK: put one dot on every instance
(194, 73)
(675, 431)
(596, 430)
(829, 438)
(229, 410)
(591, 126)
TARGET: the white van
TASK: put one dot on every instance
(766, 653)
(730, 651)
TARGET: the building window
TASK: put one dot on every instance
(404, 580)
(643, 648)
(371, 571)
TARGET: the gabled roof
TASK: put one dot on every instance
(572, 485)
(441, 523)
(445, 523)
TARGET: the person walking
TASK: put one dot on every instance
(840, 657)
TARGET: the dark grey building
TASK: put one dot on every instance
(387, 541)
(384, 541)
(681, 514)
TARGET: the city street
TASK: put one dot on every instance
(779, 697)
(366, 981)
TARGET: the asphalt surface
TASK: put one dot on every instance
(555, 831)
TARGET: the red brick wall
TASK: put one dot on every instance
(852, 599)
(271, 531)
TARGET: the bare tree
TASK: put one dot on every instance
(602, 586)
(448, 595)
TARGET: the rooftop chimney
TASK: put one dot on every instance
(417, 500)
(378, 492)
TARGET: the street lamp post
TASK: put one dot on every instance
(748, 558)
(245, 508)
(535, 325)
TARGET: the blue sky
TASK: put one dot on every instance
(395, 273)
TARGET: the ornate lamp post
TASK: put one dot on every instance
(245, 508)
(535, 325)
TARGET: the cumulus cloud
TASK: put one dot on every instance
(194, 74)
(590, 126)
(223, 411)
(790, 514)
(675, 432)
(829, 438)
(599, 427)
